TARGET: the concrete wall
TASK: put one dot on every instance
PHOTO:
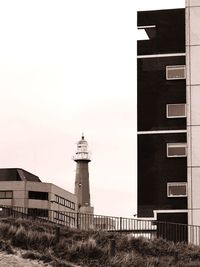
(20, 195)
(193, 108)
(155, 170)
(55, 190)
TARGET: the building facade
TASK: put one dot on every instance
(162, 135)
(169, 114)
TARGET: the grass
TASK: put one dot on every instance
(90, 248)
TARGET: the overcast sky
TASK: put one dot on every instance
(68, 67)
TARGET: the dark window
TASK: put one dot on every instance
(175, 72)
(38, 195)
(6, 194)
(176, 189)
(38, 212)
(176, 110)
(176, 150)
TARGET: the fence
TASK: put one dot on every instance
(147, 228)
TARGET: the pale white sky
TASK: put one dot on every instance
(68, 67)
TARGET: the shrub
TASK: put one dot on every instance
(128, 260)
(84, 250)
(6, 247)
(19, 239)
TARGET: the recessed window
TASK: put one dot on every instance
(65, 202)
(176, 110)
(38, 195)
(175, 72)
(176, 189)
(6, 194)
(176, 150)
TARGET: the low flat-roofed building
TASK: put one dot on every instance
(19, 188)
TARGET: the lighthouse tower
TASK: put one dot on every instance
(82, 187)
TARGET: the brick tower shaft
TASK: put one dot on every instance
(82, 190)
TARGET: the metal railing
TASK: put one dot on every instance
(146, 228)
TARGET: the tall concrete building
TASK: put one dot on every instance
(169, 114)
(82, 186)
(162, 156)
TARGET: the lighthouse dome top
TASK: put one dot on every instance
(82, 141)
(82, 152)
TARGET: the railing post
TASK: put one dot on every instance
(77, 222)
(120, 223)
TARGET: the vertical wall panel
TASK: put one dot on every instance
(193, 108)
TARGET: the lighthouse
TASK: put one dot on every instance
(82, 187)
